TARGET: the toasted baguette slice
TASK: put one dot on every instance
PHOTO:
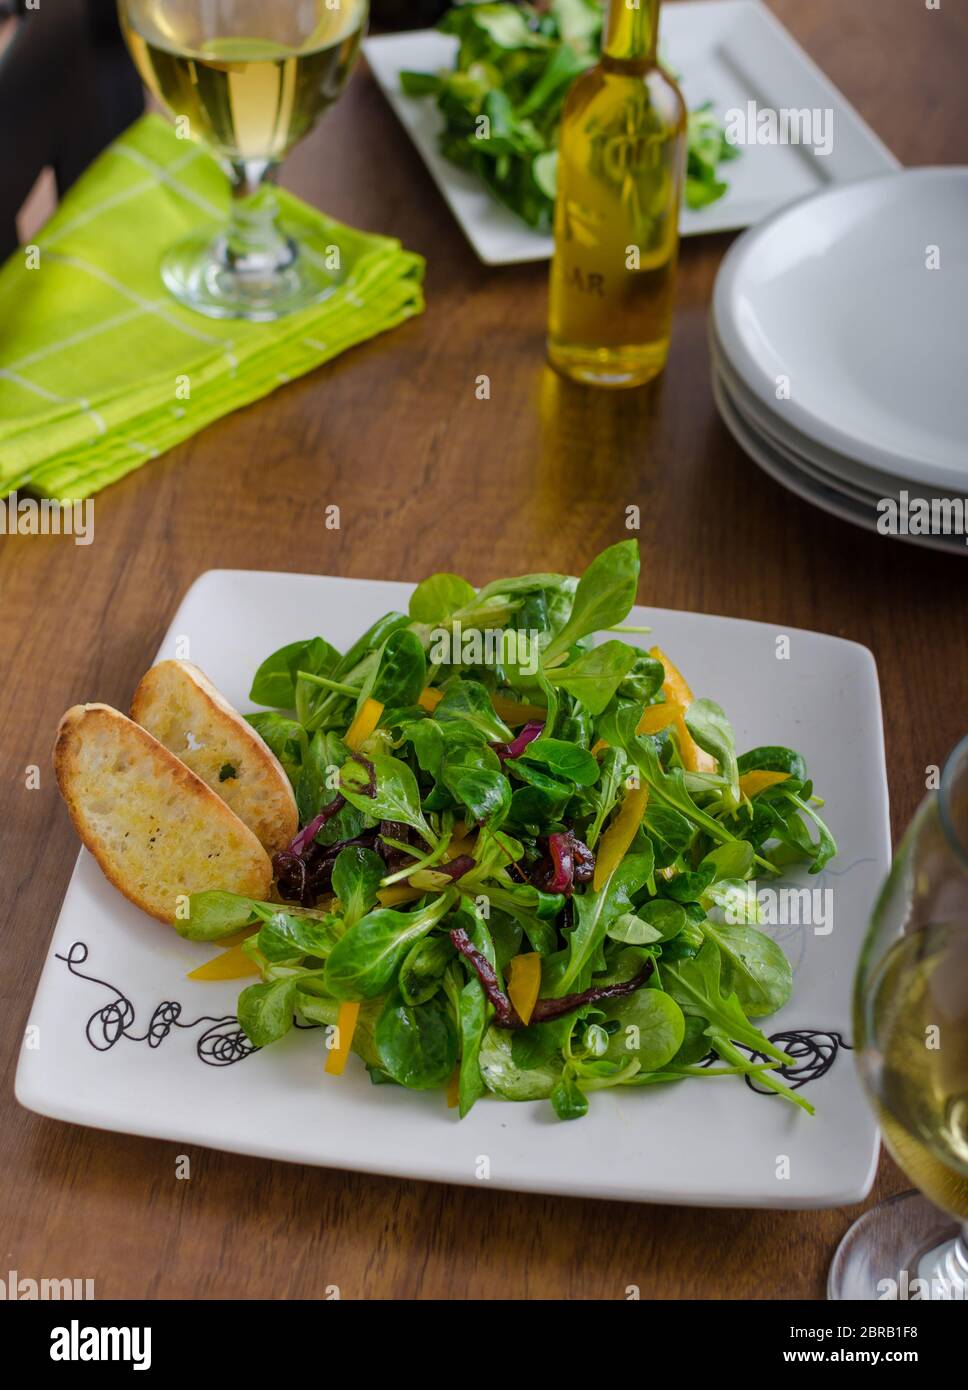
(182, 708)
(156, 829)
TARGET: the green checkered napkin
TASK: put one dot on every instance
(92, 344)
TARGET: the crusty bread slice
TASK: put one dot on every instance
(156, 829)
(182, 708)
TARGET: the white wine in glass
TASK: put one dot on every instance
(911, 1026)
(248, 78)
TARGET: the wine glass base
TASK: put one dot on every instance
(904, 1249)
(201, 276)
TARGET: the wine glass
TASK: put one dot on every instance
(248, 78)
(911, 1035)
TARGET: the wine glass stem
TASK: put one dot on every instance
(254, 244)
(958, 1258)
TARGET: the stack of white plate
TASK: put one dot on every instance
(839, 343)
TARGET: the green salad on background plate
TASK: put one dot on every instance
(514, 67)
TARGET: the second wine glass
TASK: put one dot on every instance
(911, 1028)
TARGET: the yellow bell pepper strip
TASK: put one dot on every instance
(238, 937)
(655, 718)
(751, 783)
(232, 964)
(346, 1020)
(365, 720)
(512, 713)
(524, 984)
(619, 835)
(398, 893)
(459, 847)
(675, 688)
(429, 698)
(453, 1090)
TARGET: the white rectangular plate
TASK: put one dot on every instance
(701, 1142)
(728, 52)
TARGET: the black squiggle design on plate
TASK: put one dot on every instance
(813, 1050)
(219, 1046)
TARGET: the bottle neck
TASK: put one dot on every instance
(631, 30)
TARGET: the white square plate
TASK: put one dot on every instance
(729, 52)
(701, 1142)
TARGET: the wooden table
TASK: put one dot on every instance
(429, 477)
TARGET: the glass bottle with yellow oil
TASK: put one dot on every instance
(621, 158)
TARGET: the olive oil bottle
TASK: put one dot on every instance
(621, 157)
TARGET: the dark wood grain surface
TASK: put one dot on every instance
(428, 477)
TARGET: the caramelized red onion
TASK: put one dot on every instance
(568, 861)
(505, 1014)
(519, 743)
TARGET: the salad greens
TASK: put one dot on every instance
(514, 66)
(526, 879)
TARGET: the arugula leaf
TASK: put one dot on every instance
(439, 596)
(562, 759)
(356, 880)
(274, 683)
(472, 1016)
(733, 860)
(594, 913)
(265, 1011)
(311, 790)
(395, 795)
(422, 971)
(568, 1099)
(594, 677)
(773, 759)
(286, 935)
(400, 672)
(754, 968)
(470, 702)
(710, 728)
(632, 930)
(502, 1075)
(604, 796)
(644, 681)
(605, 593)
(669, 788)
(695, 986)
(651, 1028)
(213, 914)
(286, 737)
(365, 960)
(417, 1043)
(371, 641)
(665, 917)
(473, 775)
(530, 907)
